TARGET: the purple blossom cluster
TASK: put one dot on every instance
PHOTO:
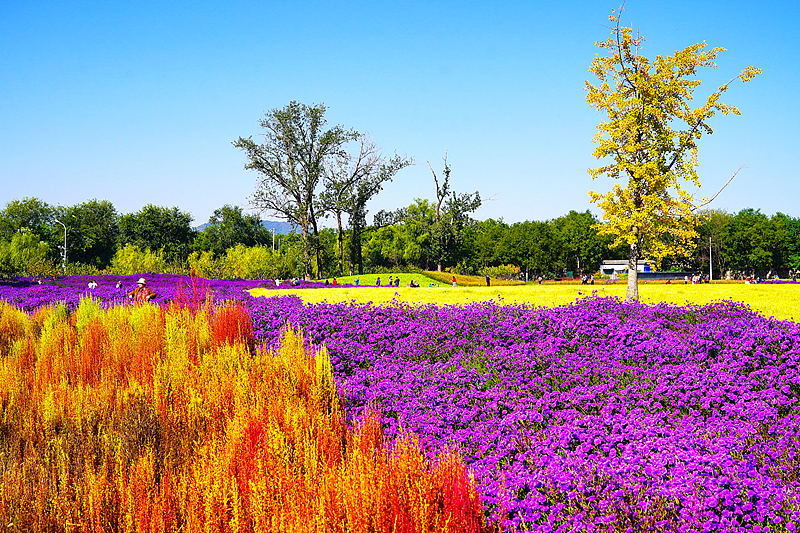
(645, 417)
(30, 294)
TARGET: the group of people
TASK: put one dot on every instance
(587, 280)
(294, 282)
(140, 295)
(393, 282)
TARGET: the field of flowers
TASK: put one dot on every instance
(593, 416)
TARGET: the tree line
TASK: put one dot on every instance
(412, 238)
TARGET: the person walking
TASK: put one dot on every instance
(142, 293)
(454, 282)
(488, 281)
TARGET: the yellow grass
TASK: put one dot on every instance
(780, 301)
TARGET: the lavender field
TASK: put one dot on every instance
(596, 416)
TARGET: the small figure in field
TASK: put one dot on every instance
(327, 282)
(413, 284)
(540, 280)
(119, 284)
(142, 293)
(334, 282)
(397, 281)
(391, 281)
(488, 281)
(669, 282)
(378, 282)
(454, 282)
(277, 283)
(685, 280)
(92, 284)
(356, 282)
(592, 279)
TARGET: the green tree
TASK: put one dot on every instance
(790, 259)
(532, 246)
(650, 137)
(752, 242)
(35, 215)
(710, 230)
(157, 228)
(290, 163)
(92, 232)
(229, 226)
(417, 221)
(487, 238)
(25, 254)
(581, 248)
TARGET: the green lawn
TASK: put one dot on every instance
(780, 301)
(371, 279)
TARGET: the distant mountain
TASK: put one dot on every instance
(281, 228)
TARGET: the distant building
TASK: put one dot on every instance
(610, 267)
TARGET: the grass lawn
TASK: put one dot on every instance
(780, 301)
(371, 279)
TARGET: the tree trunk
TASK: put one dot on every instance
(317, 250)
(341, 243)
(306, 254)
(632, 294)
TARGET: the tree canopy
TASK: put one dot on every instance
(158, 228)
(290, 163)
(229, 226)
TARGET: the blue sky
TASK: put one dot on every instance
(138, 102)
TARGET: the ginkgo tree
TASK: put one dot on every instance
(649, 142)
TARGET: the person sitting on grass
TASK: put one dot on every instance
(142, 293)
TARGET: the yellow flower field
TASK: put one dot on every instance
(780, 301)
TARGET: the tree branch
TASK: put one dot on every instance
(695, 208)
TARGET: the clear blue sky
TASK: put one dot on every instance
(138, 102)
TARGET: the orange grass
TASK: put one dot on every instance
(151, 419)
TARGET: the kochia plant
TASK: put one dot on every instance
(165, 419)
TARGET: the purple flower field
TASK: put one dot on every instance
(654, 417)
(597, 416)
(30, 294)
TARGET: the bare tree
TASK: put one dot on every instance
(350, 182)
